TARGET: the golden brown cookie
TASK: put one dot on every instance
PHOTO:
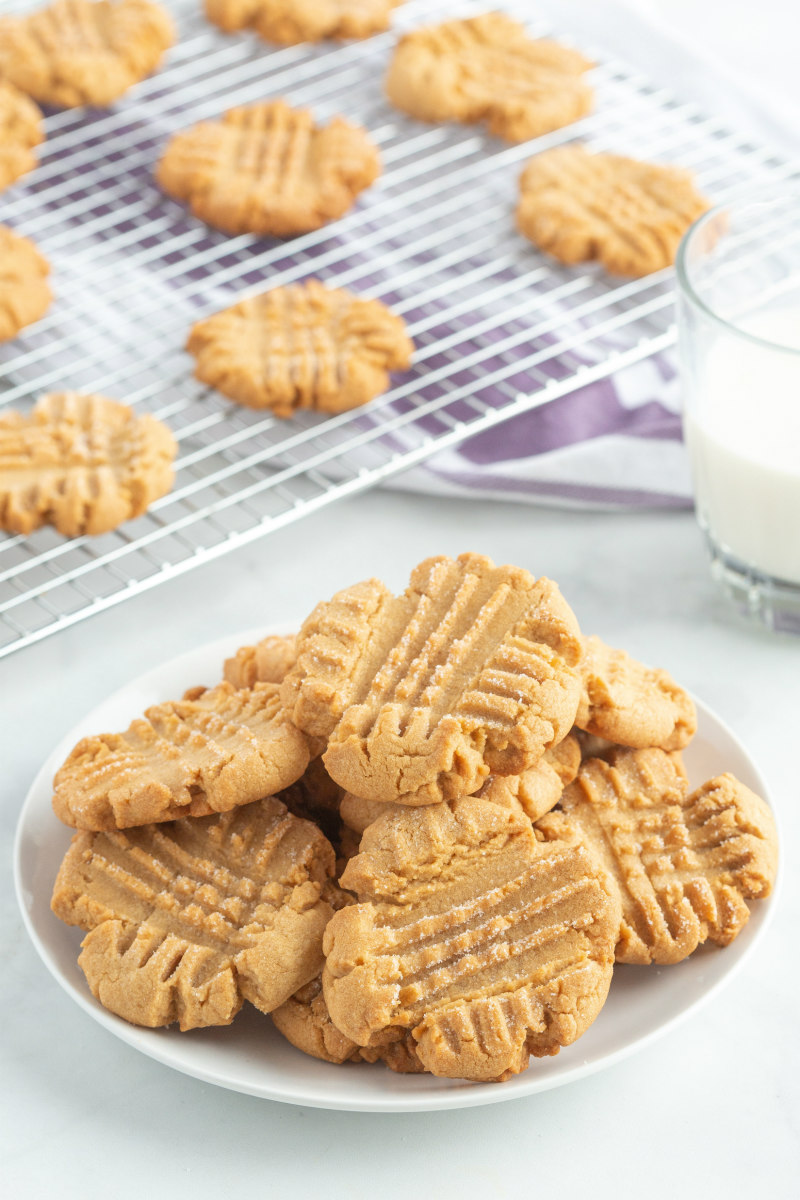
(683, 865)
(190, 918)
(534, 792)
(20, 130)
(484, 944)
(25, 294)
(81, 463)
(487, 69)
(627, 215)
(289, 22)
(190, 757)
(304, 1021)
(266, 662)
(302, 346)
(539, 789)
(268, 169)
(84, 51)
(627, 703)
(471, 671)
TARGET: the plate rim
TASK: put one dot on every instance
(468, 1096)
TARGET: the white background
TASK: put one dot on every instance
(713, 1110)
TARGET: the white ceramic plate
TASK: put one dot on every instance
(251, 1056)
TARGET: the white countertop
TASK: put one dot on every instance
(711, 1110)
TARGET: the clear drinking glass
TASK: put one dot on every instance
(739, 341)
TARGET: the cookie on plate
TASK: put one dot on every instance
(25, 294)
(301, 346)
(84, 51)
(187, 920)
(289, 22)
(266, 662)
(215, 751)
(484, 944)
(682, 864)
(20, 131)
(471, 671)
(624, 702)
(625, 214)
(488, 69)
(534, 792)
(268, 169)
(83, 464)
(304, 1021)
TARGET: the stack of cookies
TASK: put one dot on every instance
(422, 831)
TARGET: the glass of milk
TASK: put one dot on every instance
(739, 339)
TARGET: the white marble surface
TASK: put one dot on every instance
(713, 1109)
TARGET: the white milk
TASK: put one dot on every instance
(743, 433)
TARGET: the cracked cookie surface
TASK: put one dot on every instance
(471, 671)
(488, 69)
(625, 702)
(83, 464)
(188, 919)
(682, 864)
(627, 215)
(268, 169)
(219, 749)
(84, 51)
(482, 943)
(299, 347)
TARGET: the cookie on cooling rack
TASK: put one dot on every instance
(471, 671)
(25, 294)
(214, 750)
(289, 22)
(302, 346)
(20, 131)
(487, 69)
(627, 215)
(268, 169)
(83, 464)
(84, 51)
(682, 864)
(187, 920)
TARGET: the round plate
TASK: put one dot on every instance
(251, 1056)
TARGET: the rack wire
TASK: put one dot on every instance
(499, 330)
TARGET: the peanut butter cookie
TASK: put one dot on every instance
(20, 131)
(222, 748)
(289, 22)
(629, 704)
(81, 463)
(268, 169)
(484, 944)
(683, 865)
(627, 215)
(303, 346)
(487, 69)
(189, 919)
(266, 662)
(422, 696)
(25, 294)
(84, 51)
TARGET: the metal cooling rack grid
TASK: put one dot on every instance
(499, 330)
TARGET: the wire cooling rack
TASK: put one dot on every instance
(498, 329)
